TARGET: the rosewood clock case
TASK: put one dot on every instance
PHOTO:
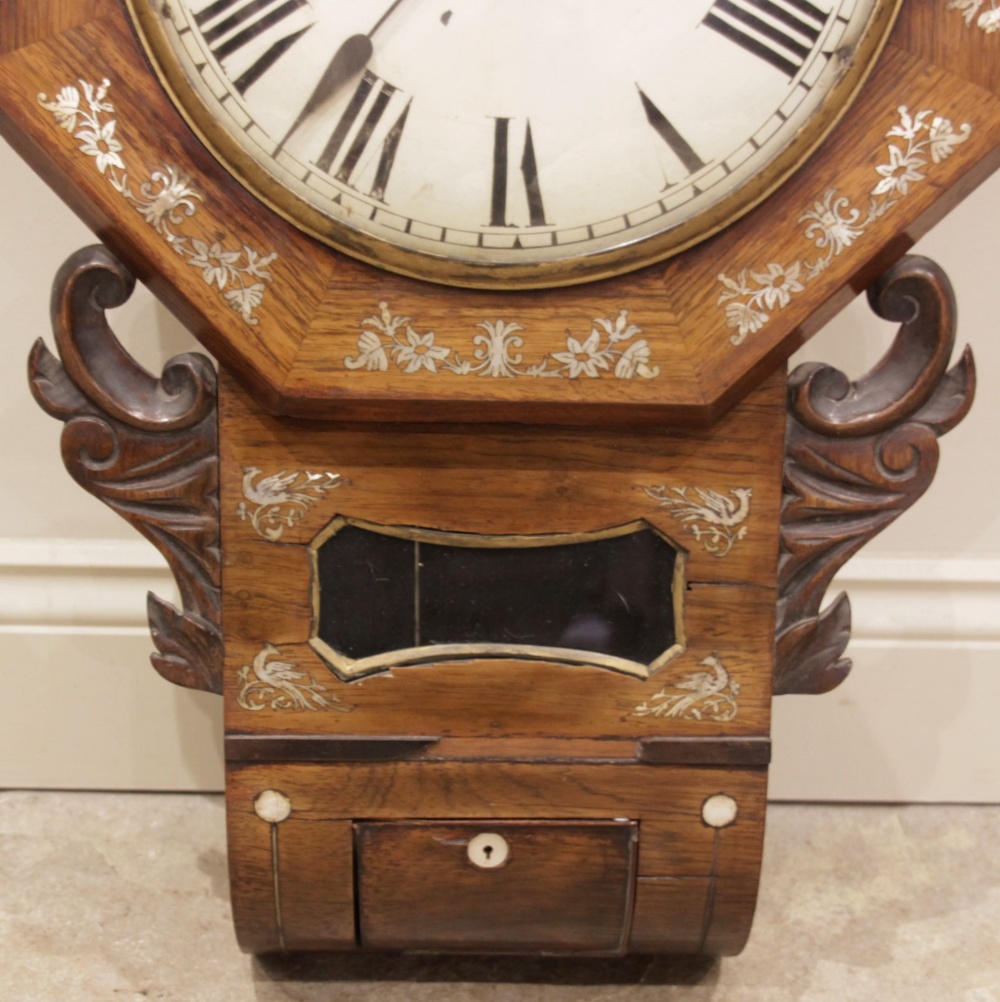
(497, 585)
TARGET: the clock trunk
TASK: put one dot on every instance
(490, 688)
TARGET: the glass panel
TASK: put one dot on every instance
(610, 594)
(366, 586)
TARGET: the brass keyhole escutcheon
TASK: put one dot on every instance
(488, 851)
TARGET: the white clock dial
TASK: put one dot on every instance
(515, 142)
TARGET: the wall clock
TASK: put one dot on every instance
(501, 522)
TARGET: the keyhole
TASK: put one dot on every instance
(488, 851)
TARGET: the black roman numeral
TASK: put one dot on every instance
(666, 131)
(365, 134)
(529, 175)
(228, 26)
(783, 37)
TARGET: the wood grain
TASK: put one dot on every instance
(425, 811)
(250, 851)
(565, 887)
(730, 922)
(24, 22)
(497, 481)
(940, 35)
(317, 895)
(507, 698)
(292, 883)
(417, 790)
(551, 718)
(310, 319)
(508, 480)
(670, 914)
(273, 748)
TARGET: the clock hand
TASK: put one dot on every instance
(348, 60)
(384, 18)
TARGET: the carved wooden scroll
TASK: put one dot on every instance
(857, 456)
(147, 447)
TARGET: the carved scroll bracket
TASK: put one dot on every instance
(858, 454)
(147, 447)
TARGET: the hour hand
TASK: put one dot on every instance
(349, 59)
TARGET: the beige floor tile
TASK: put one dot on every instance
(124, 898)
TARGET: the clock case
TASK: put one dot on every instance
(627, 786)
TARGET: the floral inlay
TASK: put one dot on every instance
(715, 520)
(833, 223)
(165, 200)
(988, 20)
(700, 695)
(609, 349)
(278, 502)
(277, 685)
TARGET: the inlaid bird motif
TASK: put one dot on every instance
(699, 695)
(715, 520)
(279, 685)
(281, 499)
(706, 683)
(716, 508)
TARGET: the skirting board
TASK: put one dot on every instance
(915, 721)
(86, 711)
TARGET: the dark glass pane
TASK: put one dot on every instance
(366, 586)
(610, 595)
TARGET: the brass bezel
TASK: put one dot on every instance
(575, 268)
(349, 669)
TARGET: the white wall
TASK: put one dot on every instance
(82, 707)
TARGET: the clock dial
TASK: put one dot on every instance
(512, 143)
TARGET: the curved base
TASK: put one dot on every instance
(494, 857)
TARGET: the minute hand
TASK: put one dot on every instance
(348, 60)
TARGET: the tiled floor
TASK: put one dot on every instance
(123, 898)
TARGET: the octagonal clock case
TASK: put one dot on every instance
(501, 522)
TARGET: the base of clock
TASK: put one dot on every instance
(525, 858)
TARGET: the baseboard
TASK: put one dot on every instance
(915, 601)
(95, 584)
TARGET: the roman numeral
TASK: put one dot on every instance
(529, 176)
(365, 136)
(782, 34)
(229, 26)
(666, 131)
